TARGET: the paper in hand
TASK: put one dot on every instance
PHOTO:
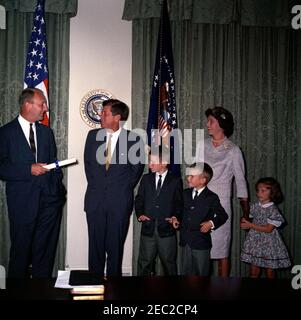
(61, 163)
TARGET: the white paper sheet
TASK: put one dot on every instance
(62, 280)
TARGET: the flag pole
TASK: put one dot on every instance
(162, 116)
(159, 140)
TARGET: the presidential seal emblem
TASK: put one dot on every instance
(91, 106)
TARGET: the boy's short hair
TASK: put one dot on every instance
(202, 168)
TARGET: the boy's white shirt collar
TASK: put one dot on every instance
(198, 190)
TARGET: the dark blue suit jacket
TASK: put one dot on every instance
(200, 209)
(169, 203)
(34, 202)
(22, 188)
(112, 188)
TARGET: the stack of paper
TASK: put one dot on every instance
(88, 289)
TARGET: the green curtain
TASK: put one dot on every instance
(68, 7)
(13, 47)
(247, 12)
(249, 68)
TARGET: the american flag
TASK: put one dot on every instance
(36, 70)
(162, 111)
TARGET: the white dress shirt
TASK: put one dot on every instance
(114, 138)
(163, 175)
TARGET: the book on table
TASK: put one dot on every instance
(86, 282)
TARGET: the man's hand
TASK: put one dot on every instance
(143, 218)
(37, 169)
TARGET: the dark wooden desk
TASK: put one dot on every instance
(151, 297)
(177, 288)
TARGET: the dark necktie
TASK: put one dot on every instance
(195, 194)
(159, 185)
(31, 140)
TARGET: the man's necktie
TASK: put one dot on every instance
(31, 140)
(195, 194)
(108, 152)
(159, 185)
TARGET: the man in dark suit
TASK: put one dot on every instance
(114, 162)
(34, 194)
(158, 203)
(202, 213)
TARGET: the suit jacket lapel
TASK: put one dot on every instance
(153, 184)
(166, 181)
(39, 139)
(116, 153)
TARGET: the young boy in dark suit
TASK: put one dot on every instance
(202, 213)
(158, 206)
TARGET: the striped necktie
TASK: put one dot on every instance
(108, 152)
(31, 140)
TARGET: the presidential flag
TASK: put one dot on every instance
(162, 111)
(36, 70)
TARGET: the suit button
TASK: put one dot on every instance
(157, 206)
(191, 208)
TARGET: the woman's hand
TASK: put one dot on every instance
(245, 224)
